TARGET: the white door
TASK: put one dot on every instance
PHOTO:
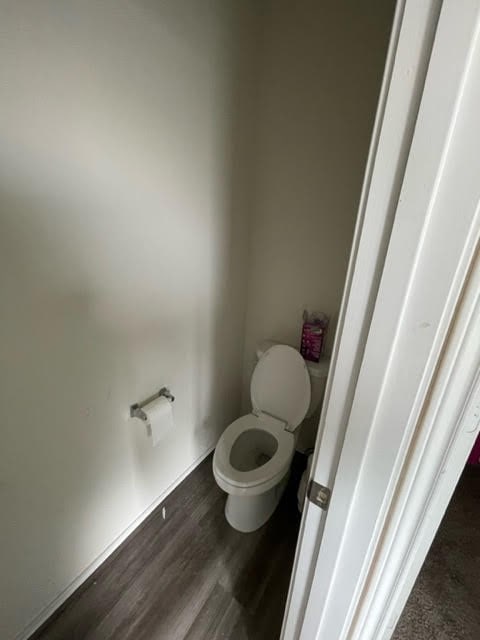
(416, 235)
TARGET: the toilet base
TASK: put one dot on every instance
(249, 513)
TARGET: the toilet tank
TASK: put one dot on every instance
(318, 375)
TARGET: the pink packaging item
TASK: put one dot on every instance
(474, 457)
(313, 335)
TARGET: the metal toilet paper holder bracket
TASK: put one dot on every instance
(136, 410)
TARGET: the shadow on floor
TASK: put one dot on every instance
(189, 576)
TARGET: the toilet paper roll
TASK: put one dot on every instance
(159, 418)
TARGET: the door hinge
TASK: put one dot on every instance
(319, 495)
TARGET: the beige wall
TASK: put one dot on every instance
(320, 68)
(122, 267)
(126, 157)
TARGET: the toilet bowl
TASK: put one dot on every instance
(253, 455)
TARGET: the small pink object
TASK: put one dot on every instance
(313, 335)
(474, 457)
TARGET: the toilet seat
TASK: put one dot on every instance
(280, 385)
(263, 477)
(280, 392)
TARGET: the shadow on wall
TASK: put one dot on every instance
(320, 69)
(123, 248)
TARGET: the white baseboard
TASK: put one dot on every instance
(41, 617)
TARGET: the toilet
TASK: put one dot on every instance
(253, 455)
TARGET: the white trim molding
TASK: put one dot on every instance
(50, 609)
(444, 423)
(443, 439)
(411, 40)
(428, 265)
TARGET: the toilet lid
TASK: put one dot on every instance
(280, 385)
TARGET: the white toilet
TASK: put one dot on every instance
(253, 455)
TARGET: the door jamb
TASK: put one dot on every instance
(400, 95)
(439, 241)
(432, 467)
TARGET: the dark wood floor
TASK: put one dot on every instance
(190, 576)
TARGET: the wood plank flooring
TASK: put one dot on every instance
(190, 576)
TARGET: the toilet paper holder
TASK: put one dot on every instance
(136, 410)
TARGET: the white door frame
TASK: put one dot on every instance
(409, 360)
(406, 66)
(440, 446)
